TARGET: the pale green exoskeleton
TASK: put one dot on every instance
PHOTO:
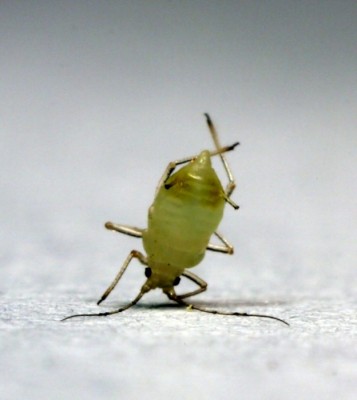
(187, 209)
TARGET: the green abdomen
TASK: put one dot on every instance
(182, 220)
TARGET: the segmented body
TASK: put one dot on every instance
(185, 213)
(187, 210)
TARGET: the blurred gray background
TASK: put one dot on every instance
(95, 99)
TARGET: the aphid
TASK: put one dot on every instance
(187, 209)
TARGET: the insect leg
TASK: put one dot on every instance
(132, 254)
(173, 164)
(126, 229)
(231, 182)
(196, 279)
(227, 248)
(170, 169)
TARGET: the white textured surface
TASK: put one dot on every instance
(168, 352)
(96, 98)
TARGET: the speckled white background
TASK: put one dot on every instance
(95, 99)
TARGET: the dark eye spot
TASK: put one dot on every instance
(176, 281)
(148, 272)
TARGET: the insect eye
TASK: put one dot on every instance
(176, 281)
(148, 272)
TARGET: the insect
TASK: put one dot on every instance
(187, 209)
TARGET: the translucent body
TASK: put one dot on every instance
(187, 209)
(185, 213)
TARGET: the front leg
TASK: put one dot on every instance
(196, 279)
(133, 254)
